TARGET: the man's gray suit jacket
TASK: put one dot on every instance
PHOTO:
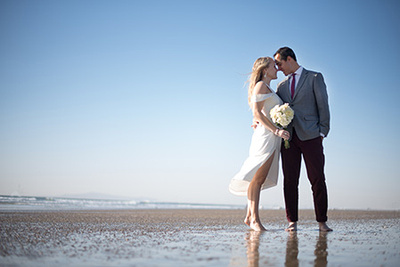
(310, 105)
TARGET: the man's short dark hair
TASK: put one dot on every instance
(286, 52)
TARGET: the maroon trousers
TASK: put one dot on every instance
(313, 154)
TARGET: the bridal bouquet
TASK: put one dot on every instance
(282, 115)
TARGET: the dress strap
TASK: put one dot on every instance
(268, 87)
(260, 97)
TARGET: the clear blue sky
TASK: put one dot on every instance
(147, 98)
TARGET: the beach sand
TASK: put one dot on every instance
(191, 237)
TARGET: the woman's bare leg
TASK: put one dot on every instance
(253, 195)
(248, 214)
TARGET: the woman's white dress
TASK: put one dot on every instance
(263, 144)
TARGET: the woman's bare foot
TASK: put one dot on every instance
(257, 226)
(247, 221)
(324, 228)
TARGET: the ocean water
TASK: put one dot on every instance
(60, 203)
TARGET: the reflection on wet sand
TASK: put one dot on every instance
(292, 249)
(320, 252)
(253, 244)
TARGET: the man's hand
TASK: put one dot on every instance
(254, 125)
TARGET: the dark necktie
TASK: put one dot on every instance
(293, 84)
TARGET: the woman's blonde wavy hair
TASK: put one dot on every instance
(256, 75)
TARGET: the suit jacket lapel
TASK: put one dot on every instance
(284, 92)
(301, 82)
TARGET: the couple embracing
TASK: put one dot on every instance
(305, 92)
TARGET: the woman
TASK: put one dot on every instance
(260, 170)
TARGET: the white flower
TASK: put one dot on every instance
(282, 116)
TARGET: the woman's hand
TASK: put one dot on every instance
(283, 134)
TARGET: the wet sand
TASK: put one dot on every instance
(196, 238)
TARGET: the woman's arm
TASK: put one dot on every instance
(261, 118)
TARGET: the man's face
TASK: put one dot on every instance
(282, 65)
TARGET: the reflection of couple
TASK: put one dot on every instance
(305, 91)
(292, 249)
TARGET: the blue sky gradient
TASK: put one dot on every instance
(147, 98)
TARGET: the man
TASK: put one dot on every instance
(305, 91)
